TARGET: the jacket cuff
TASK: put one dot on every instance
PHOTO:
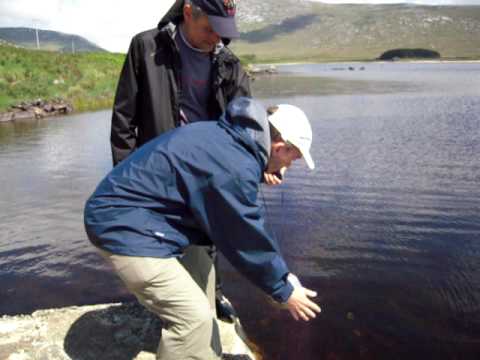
(282, 294)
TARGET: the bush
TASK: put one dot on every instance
(409, 54)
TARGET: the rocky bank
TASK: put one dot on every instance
(107, 332)
(36, 109)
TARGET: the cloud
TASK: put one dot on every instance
(108, 23)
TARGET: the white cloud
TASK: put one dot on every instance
(108, 23)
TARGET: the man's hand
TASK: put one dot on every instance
(275, 178)
(299, 304)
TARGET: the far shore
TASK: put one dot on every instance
(13, 113)
(413, 61)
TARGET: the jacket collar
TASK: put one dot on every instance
(246, 121)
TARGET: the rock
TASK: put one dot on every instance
(108, 332)
(37, 109)
(9, 116)
(259, 70)
(48, 108)
(19, 356)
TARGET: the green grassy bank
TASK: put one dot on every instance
(87, 80)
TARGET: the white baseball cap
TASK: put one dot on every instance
(293, 125)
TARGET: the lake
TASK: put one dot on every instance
(386, 229)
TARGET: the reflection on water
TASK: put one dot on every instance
(386, 229)
(294, 85)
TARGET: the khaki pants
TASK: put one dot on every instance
(182, 293)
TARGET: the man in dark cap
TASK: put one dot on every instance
(179, 73)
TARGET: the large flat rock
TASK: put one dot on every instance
(111, 331)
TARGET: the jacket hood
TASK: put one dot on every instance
(174, 15)
(246, 120)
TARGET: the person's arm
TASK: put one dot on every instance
(123, 138)
(229, 213)
(242, 83)
(236, 80)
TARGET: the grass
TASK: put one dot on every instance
(86, 80)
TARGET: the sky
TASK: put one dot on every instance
(112, 23)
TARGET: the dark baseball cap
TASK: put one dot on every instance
(221, 16)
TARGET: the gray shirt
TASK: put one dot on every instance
(196, 70)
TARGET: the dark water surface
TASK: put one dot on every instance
(386, 229)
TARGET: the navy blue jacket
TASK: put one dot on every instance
(197, 184)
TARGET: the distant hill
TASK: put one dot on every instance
(299, 29)
(49, 40)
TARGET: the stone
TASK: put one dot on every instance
(109, 332)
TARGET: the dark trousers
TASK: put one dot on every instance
(218, 278)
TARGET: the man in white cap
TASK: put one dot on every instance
(198, 185)
(297, 132)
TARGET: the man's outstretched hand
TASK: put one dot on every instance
(275, 178)
(299, 303)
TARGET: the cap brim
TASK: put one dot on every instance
(308, 160)
(225, 27)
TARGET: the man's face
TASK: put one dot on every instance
(199, 31)
(282, 156)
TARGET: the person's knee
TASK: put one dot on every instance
(198, 316)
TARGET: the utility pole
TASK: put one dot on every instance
(37, 37)
(38, 40)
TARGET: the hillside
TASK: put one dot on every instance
(87, 80)
(49, 40)
(299, 30)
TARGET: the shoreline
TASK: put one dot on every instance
(37, 109)
(52, 108)
(411, 61)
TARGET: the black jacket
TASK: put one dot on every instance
(148, 93)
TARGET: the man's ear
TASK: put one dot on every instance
(274, 148)
(278, 145)
(187, 12)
